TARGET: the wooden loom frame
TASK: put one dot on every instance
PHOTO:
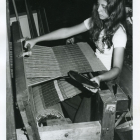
(23, 100)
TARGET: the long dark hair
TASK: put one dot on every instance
(116, 12)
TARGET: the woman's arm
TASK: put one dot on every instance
(118, 58)
(58, 34)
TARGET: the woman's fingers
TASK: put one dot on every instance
(96, 80)
(70, 41)
(90, 89)
(27, 44)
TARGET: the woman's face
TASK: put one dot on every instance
(102, 9)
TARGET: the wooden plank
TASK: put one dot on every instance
(120, 95)
(106, 108)
(21, 87)
(76, 131)
(61, 121)
(10, 117)
(33, 30)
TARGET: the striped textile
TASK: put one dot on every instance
(49, 95)
(48, 63)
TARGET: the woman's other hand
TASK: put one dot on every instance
(97, 80)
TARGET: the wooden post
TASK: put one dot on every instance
(21, 87)
(10, 117)
(121, 97)
(106, 108)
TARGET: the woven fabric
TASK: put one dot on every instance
(45, 94)
(37, 80)
(44, 99)
(70, 57)
(94, 62)
(67, 89)
(42, 63)
(48, 63)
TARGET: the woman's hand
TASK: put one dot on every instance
(70, 40)
(29, 44)
(97, 80)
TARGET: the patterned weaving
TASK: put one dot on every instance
(70, 57)
(44, 99)
(48, 63)
(48, 94)
(37, 80)
(42, 63)
(67, 89)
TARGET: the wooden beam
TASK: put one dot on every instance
(10, 117)
(120, 94)
(106, 110)
(75, 131)
(61, 121)
(33, 30)
(21, 87)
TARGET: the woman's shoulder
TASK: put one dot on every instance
(120, 37)
(120, 30)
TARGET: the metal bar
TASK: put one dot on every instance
(33, 30)
(21, 87)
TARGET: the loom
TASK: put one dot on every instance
(51, 65)
(42, 82)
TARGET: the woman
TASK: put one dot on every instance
(107, 31)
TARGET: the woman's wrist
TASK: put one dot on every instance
(35, 40)
(100, 77)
